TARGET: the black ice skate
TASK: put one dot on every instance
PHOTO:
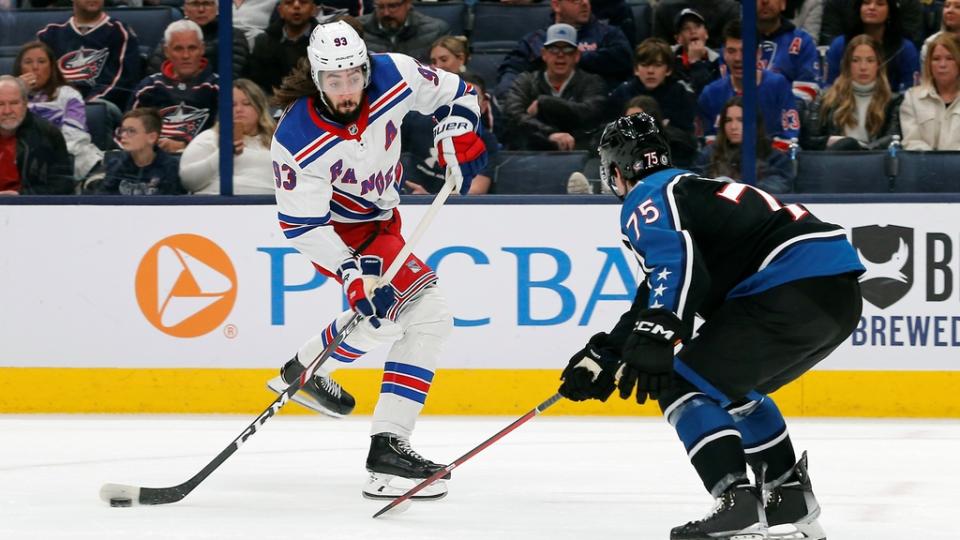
(322, 394)
(737, 515)
(791, 508)
(395, 468)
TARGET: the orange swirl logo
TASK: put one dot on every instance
(186, 285)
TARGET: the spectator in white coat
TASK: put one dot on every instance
(930, 113)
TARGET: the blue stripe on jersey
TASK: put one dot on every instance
(393, 103)
(813, 257)
(356, 198)
(457, 110)
(762, 425)
(293, 226)
(384, 75)
(407, 369)
(319, 152)
(341, 211)
(403, 391)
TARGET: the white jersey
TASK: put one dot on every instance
(328, 172)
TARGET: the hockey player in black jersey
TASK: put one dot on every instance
(777, 289)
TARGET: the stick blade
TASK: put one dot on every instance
(394, 509)
(120, 494)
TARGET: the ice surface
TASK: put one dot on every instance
(554, 478)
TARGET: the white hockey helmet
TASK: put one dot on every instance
(334, 47)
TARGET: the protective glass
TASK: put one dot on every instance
(345, 81)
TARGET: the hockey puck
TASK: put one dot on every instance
(121, 502)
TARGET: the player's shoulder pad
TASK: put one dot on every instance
(297, 130)
(386, 72)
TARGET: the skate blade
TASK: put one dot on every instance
(797, 531)
(385, 488)
(277, 385)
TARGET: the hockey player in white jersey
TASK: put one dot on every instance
(336, 162)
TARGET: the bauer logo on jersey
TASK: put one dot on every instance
(83, 64)
(183, 122)
(186, 285)
(887, 254)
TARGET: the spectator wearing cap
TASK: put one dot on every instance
(278, 50)
(605, 50)
(559, 107)
(395, 26)
(653, 76)
(716, 12)
(33, 154)
(185, 90)
(694, 62)
(204, 13)
(787, 50)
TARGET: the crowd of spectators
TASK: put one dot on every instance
(839, 75)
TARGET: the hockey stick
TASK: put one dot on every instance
(126, 495)
(476, 450)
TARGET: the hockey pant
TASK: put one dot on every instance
(750, 347)
(420, 326)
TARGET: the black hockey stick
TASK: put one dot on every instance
(476, 450)
(126, 495)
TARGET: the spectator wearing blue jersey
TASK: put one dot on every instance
(694, 61)
(880, 19)
(653, 76)
(722, 159)
(604, 50)
(185, 91)
(774, 95)
(98, 55)
(787, 50)
(859, 112)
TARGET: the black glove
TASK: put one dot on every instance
(648, 355)
(589, 374)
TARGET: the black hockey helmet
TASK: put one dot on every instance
(634, 145)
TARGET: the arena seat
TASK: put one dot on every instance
(539, 173)
(453, 13)
(499, 26)
(927, 172)
(100, 125)
(485, 64)
(6, 65)
(642, 18)
(148, 23)
(841, 172)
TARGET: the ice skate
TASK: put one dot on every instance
(395, 468)
(737, 515)
(791, 507)
(321, 394)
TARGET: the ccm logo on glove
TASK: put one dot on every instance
(654, 329)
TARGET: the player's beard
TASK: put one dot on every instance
(346, 112)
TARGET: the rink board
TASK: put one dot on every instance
(191, 308)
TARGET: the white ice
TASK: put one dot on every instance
(554, 478)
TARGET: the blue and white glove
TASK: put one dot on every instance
(359, 278)
(458, 143)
